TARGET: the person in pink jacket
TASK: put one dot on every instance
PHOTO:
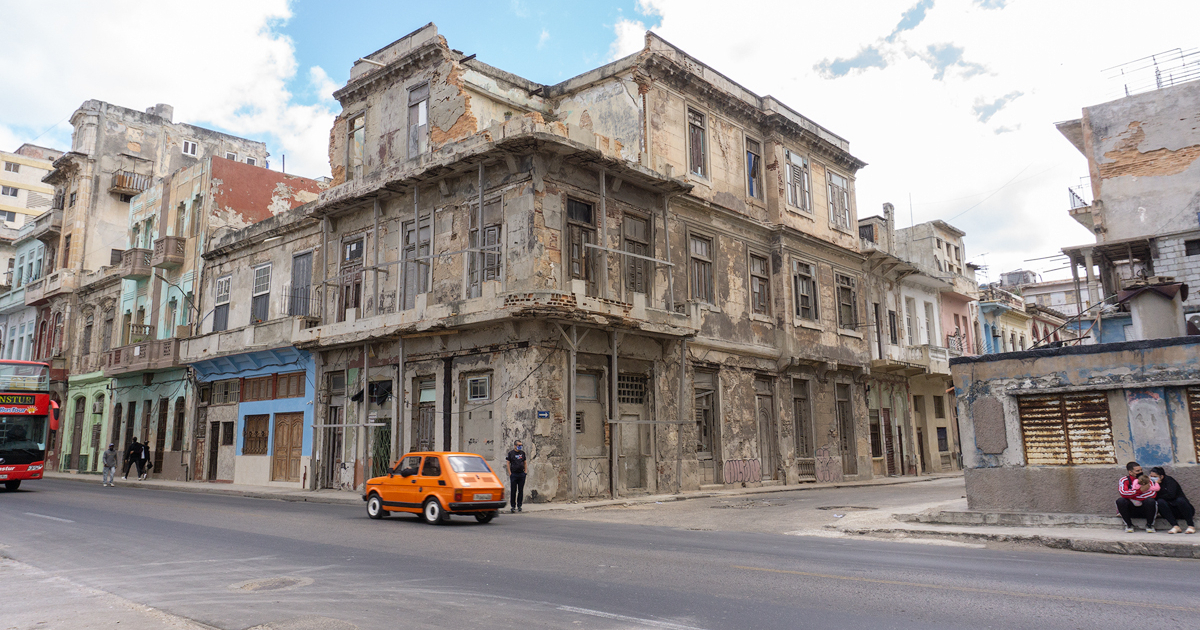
(1137, 499)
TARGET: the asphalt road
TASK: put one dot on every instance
(237, 563)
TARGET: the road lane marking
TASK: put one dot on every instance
(645, 622)
(53, 518)
(968, 589)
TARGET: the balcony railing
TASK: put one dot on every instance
(60, 202)
(169, 252)
(157, 354)
(128, 183)
(137, 333)
(956, 345)
(136, 264)
(933, 358)
(47, 227)
(58, 282)
(1076, 200)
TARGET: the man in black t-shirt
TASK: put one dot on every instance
(514, 465)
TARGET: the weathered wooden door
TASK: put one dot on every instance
(214, 448)
(289, 446)
(77, 433)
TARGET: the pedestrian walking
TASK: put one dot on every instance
(110, 465)
(514, 465)
(144, 461)
(133, 453)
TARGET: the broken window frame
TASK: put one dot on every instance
(493, 222)
(700, 268)
(754, 182)
(697, 140)
(350, 272)
(705, 409)
(839, 200)
(847, 301)
(804, 290)
(893, 325)
(356, 145)
(581, 231)
(417, 267)
(418, 120)
(799, 184)
(939, 406)
(639, 274)
(260, 299)
(221, 291)
(759, 269)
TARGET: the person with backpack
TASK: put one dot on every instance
(144, 461)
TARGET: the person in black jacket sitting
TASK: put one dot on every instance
(1172, 503)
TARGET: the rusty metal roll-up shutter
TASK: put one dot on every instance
(1089, 428)
(1044, 430)
(1193, 394)
(1068, 429)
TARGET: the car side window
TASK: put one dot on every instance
(432, 467)
(409, 466)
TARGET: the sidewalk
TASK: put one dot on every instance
(36, 599)
(347, 497)
(1075, 532)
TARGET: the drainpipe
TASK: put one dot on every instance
(375, 269)
(612, 411)
(682, 409)
(366, 431)
(572, 371)
(447, 402)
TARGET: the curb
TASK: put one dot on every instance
(355, 499)
(1158, 549)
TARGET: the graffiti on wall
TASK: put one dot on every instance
(742, 470)
(828, 465)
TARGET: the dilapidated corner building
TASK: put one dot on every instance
(116, 153)
(1141, 154)
(504, 259)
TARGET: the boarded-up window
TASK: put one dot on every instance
(290, 385)
(636, 231)
(1067, 429)
(255, 434)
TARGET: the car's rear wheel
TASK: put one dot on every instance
(485, 517)
(433, 512)
(12, 485)
(375, 507)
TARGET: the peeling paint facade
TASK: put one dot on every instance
(1050, 430)
(500, 259)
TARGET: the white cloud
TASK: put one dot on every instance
(322, 85)
(543, 38)
(952, 100)
(214, 69)
(630, 38)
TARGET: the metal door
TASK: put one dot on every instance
(848, 446)
(889, 444)
(425, 419)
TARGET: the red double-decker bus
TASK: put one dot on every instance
(26, 418)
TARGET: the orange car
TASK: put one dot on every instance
(436, 485)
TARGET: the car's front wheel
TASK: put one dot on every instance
(12, 485)
(433, 512)
(485, 517)
(375, 507)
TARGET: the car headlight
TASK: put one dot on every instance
(34, 467)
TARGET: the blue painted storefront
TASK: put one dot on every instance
(264, 363)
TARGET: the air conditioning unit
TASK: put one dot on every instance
(97, 407)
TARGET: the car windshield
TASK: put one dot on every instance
(22, 439)
(24, 377)
(465, 464)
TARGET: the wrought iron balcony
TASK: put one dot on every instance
(169, 252)
(127, 183)
(136, 264)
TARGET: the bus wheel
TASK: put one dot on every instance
(12, 485)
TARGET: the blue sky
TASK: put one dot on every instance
(952, 103)
(508, 35)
